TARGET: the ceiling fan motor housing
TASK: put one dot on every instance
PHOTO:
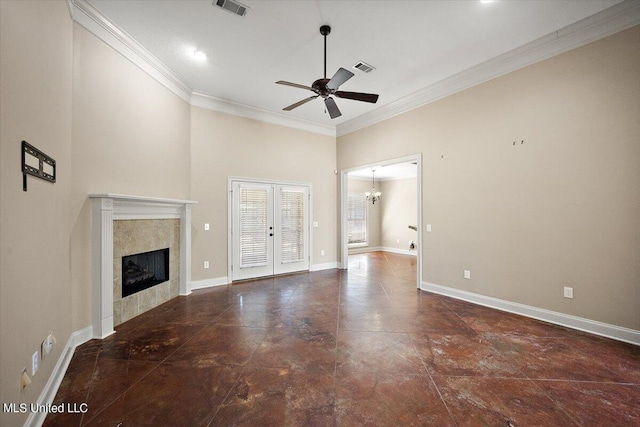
(320, 87)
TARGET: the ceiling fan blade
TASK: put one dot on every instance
(332, 108)
(358, 96)
(338, 78)
(299, 103)
(282, 82)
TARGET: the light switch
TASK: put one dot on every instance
(206, 226)
(568, 292)
(315, 224)
(428, 228)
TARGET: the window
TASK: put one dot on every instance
(291, 226)
(357, 220)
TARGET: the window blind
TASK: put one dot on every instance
(292, 226)
(253, 227)
(357, 219)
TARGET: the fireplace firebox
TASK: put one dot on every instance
(144, 270)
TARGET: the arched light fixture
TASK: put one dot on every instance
(373, 195)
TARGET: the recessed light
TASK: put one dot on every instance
(199, 55)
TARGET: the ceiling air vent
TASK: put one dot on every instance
(364, 67)
(232, 6)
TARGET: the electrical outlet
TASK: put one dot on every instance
(47, 345)
(568, 292)
(397, 240)
(24, 378)
(322, 252)
(467, 274)
(34, 363)
(206, 264)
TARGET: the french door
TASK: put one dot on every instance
(269, 229)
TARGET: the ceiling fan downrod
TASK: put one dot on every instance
(325, 30)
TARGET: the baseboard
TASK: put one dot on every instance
(399, 251)
(326, 266)
(579, 323)
(221, 281)
(53, 383)
(365, 249)
(209, 283)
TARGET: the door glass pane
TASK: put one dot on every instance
(292, 226)
(253, 227)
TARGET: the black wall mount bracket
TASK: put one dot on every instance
(36, 163)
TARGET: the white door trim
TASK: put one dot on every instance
(343, 211)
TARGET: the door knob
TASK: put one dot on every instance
(270, 234)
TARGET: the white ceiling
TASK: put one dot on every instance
(412, 44)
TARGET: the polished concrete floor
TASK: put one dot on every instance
(348, 348)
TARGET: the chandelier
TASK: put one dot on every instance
(373, 195)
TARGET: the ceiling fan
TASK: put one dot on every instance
(327, 87)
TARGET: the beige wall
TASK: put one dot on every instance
(111, 128)
(559, 210)
(225, 146)
(389, 218)
(562, 209)
(130, 136)
(35, 296)
(399, 207)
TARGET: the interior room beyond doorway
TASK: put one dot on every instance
(381, 211)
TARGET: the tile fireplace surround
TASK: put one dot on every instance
(131, 237)
(107, 208)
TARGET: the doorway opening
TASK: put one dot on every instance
(391, 225)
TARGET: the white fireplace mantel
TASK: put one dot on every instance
(107, 207)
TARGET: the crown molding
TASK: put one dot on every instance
(99, 25)
(95, 22)
(209, 102)
(607, 22)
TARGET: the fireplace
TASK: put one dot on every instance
(144, 270)
(122, 225)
